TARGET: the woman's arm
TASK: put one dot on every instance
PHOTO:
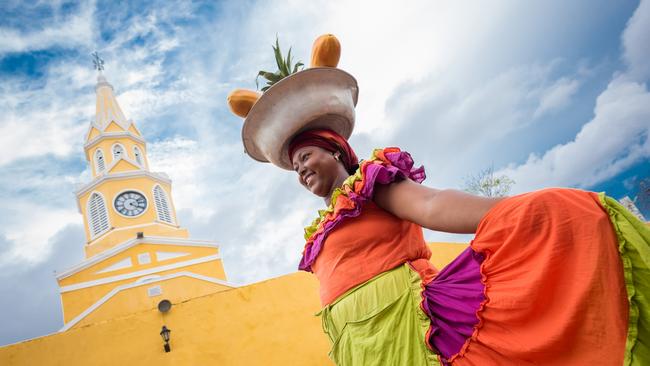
(441, 210)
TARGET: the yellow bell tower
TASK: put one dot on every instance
(136, 253)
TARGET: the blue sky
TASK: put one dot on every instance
(548, 92)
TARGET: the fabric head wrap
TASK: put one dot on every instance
(328, 140)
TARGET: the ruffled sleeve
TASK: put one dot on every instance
(384, 166)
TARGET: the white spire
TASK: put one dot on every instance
(107, 107)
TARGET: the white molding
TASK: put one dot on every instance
(111, 135)
(93, 123)
(147, 279)
(154, 240)
(155, 222)
(144, 272)
(124, 157)
(127, 286)
(147, 200)
(123, 175)
(164, 256)
(124, 263)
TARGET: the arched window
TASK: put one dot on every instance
(118, 150)
(100, 165)
(97, 215)
(162, 205)
(137, 154)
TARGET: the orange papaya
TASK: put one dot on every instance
(241, 101)
(326, 51)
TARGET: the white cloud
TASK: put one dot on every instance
(556, 96)
(31, 227)
(73, 31)
(618, 135)
(612, 141)
(637, 44)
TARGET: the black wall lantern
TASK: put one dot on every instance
(164, 333)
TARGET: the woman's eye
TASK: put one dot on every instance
(304, 157)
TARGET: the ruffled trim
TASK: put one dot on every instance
(384, 166)
(435, 328)
(627, 248)
(484, 280)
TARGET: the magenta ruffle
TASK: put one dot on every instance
(394, 166)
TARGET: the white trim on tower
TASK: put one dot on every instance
(153, 240)
(144, 272)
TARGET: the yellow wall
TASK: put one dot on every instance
(113, 127)
(267, 323)
(93, 133)
(443, 253)
(136, 299)
(134, 130)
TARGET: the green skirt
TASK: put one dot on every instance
(380, 322)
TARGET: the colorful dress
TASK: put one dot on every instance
(553, 277)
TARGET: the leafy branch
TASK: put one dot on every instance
(285, 68)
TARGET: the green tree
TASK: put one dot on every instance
(487, 184)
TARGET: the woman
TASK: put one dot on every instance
(555, 277)
(552, 290)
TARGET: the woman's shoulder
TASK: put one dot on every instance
(389, 164)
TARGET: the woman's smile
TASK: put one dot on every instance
(308, 178)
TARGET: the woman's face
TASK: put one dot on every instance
(317, 169)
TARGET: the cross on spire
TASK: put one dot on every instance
(97, 62)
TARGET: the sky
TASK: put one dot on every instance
(549, 93)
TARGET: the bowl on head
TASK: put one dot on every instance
(313, 98)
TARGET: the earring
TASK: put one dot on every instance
(336, 157)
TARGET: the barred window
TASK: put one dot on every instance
(137, 154)
(97, 215)
(100, 165)
(162, 205)
(118, 150)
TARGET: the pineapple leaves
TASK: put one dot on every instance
(285, 68)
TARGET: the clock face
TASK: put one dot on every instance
(130, 203)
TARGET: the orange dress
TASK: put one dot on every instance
(349, 261)
(543, 282)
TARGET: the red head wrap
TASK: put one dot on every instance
(328, 140)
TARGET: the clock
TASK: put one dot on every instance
(130, 203)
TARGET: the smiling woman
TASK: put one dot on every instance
(311, 154)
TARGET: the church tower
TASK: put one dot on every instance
(136, 252)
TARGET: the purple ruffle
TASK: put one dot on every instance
(451, 300)
(398, 167)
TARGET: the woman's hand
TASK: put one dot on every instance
(441, 210)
